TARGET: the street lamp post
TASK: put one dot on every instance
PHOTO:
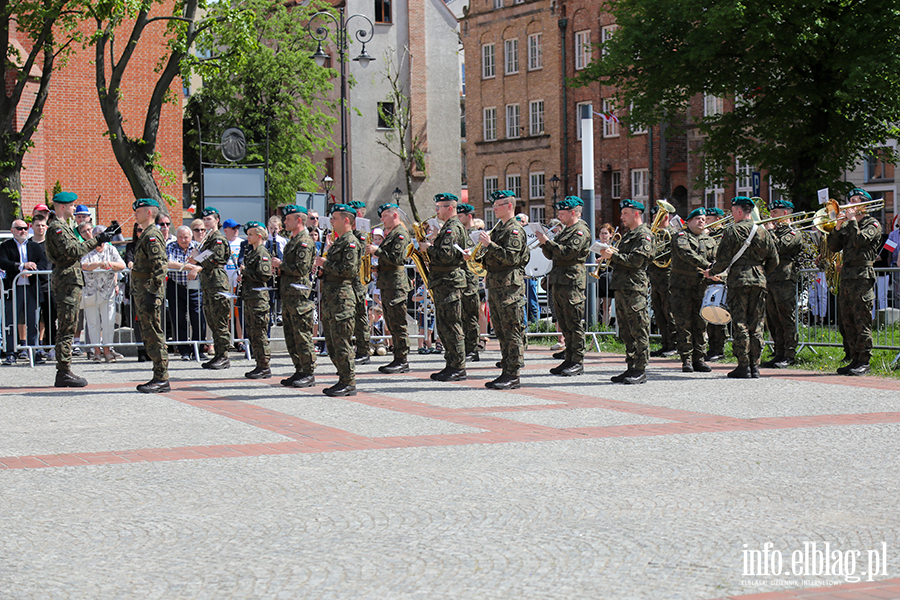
(554, 185)
(341, 38)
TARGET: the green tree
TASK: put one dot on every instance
(49, 28)
(816, 84)
(277, 91)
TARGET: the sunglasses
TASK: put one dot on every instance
(20, 228)
(164, 224)
(313, 218)
(199, 230)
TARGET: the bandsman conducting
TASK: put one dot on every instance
(858, 234)
(693, 251)
(215, 286)
(298, 307)
(568, 251)
(470, 301)
(746, 255)
(393, 283)
(256, 273)
(339, 269)
(506, 254)
(148, 288)
(781, 286)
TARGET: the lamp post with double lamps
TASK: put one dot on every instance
(341, 37)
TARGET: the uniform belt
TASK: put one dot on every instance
(859, 263)
(682, 272)
(337, 278)
(140, 275)
(443, 268)
(383, 268)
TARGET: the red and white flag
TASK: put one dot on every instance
(890, 245)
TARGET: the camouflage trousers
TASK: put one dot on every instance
(448, 321)
(507, 305)
(718, 334)
(361, 328)
(338, 312)
(256, 326)
(633, 320)
(689, 325)
(297, 318)
(217, 310)
(68, 303)
(469, 310)
(747, 305)
(781, 317)
(394, 304)
(149, 314)
(856, 300)
(662, 313)
(568, 302)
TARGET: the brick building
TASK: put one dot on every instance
(69, 145)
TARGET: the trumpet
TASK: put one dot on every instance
(603, 264)
(663, 237)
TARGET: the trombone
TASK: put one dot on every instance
(826, 218)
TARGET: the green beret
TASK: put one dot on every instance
(445, 198)
(289, 209)
(385, 207)
(569, 202)
(742, 201)
(342, 208)
(252, 225)
(208, 211)
(140, 202)
(631, 204)
(357, 204)
(781, 204)
(65, 198)
(715, 212)
(698, 212)
(465, 209)
(853, 192)
(500, 194)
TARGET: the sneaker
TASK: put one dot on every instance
(557, 346)
(10, 359)
(76, 351)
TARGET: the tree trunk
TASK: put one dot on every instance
(11, 194)
(410, 196)
(134, 164)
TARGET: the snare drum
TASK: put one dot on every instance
(714, 307)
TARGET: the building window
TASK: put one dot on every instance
(512, 121)
(635, 128)
(536, 213)
(578, 117)
(776, 190)
(383, 11)
(610, 121)
(511, 51)
(743, 178)
(514, 184)
(490, 186)
(498, 4)
(640, 183)
(712, 105)
(536, 117)
(712, 195)
(488, 65)
(385, 115)
(582, 49)
(606, 32)
(616, 185)
(878, 169)
(489, 219)
(537, 186)
(490, 124)
(535, 51)
(518, 1)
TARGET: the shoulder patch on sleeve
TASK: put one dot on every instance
(400, 236)
(579, 233)
(303, 245)
(515, 232)
(648, 238)
(218, 241)
(353, 245)
(152, 239)
(265, 258)
(680, 233)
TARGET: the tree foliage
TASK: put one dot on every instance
(276, 90)
(816, 83)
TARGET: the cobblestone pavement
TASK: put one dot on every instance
(693, 486)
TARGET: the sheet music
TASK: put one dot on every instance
(537, 227)
(598, 247)
(228, 295)
(297, 286)
(364, 225)
(200, 257)
(823, 195)
(474, 235)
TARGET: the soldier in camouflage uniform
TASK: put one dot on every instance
(297, 305)
(447, 281)
(148, 289)
(718, 334)
(214, 283)
(781, 287)
(339, 269)
(65, 251)
(470, 302)
(659, 295)
(746, 281)
(568, 282)
(858, 235)
(361, 328)
(393, 282)
(256, 273)
(505, 258)
(629, 279)
(692, 253)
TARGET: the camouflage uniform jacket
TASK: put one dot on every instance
(447, 264)
(257, 272)
(472, 279)
(755, 263)
(630, 262)
(296, 265)
(213, 276)
(148, 274)
(660, 276)
(342, 262)
(861, 243)
(506, 256)
(691, 254)
(65, 251)
(392, 260)
(568, 251)
(789, 244)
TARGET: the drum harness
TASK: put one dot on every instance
(740, 252)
